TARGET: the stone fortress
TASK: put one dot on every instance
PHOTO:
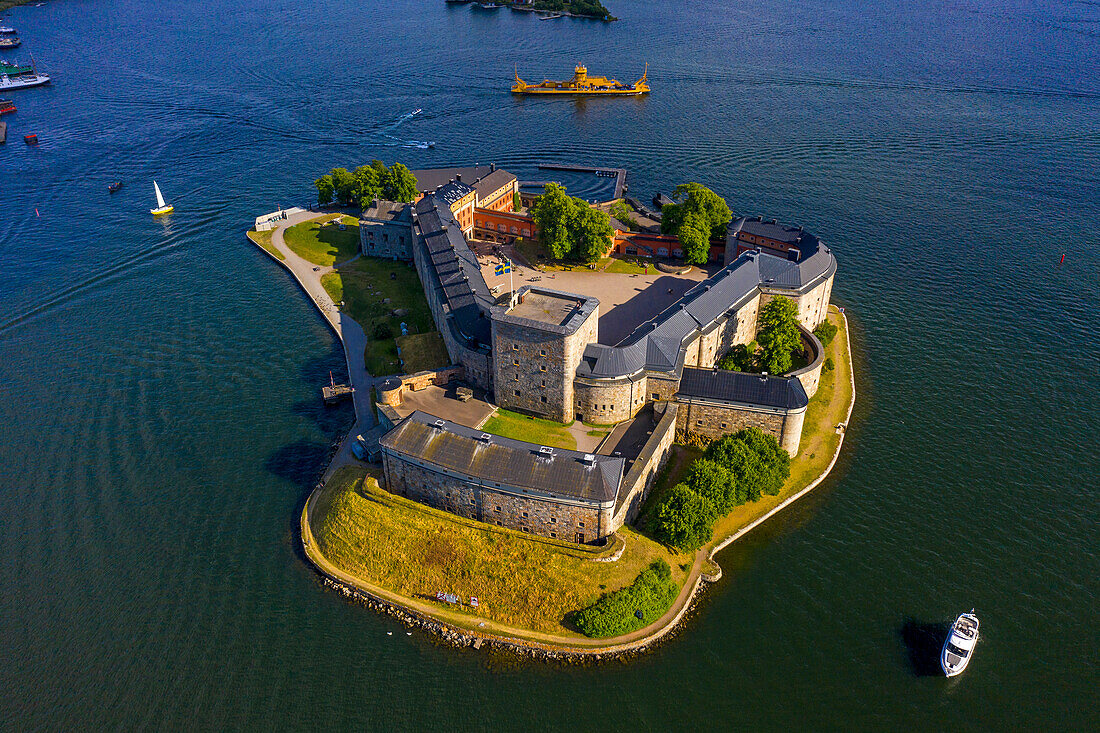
(537, 351)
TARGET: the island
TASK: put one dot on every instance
(547, 9)
(563, 408)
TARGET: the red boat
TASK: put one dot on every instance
(30, 139)
(6, 105)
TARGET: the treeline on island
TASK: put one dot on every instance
(366, 183)
(587, 8)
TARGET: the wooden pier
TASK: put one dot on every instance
(619, 173)
(333, 393)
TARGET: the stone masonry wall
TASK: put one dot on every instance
(392, 240)
(639, 479)
(606, 402)
(715, 419)
(536, 514)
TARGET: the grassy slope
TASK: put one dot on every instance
(416, 551)
(264, 240)
(532, 429)
(324, 245)
(422, 351)
(364, 285)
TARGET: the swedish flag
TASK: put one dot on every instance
(503, 269)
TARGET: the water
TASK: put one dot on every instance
(160, 422)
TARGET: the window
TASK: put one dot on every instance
(515, 362)
(580, 524)
(542, 367)
(656, 396)
(698, 422)
(517, 393)
(544, 383)
(525, 514)
(497, 509)
(542, 352)
(553, 520)
(724, 426)
(515, 377)
(553, 535)
(515, 347)
(543, 398)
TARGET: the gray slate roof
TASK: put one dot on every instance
(486, 184)
(505, 462)
(754, 389)
(383, 210)
(650, 345)
(453, 191)
(429, 179)
(456, 270)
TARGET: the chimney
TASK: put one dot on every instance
(458, 177)
(492, 167)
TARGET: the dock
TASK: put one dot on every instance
(333, 393)
(3, 132)
(618, 173)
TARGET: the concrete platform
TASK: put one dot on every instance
(443, 402)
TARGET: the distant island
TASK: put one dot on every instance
(533, 465)
(573, 8)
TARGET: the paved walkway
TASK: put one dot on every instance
(349, 332)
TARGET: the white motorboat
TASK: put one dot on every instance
(6, 30)
(23, 81)
(959, 647)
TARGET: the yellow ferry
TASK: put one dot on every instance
(582, 83)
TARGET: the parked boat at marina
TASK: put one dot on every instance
(7, 31)
(6, 106)
(23, 81)
(15, 69)
(960, 643)
(9, 42)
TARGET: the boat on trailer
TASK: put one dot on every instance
(960, 644)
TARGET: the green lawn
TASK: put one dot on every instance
(365, 286)
(530, 249)
(264, 240)
(322, 243)
(531, 429)
(624, 267)
(417, 551)
(422, 351)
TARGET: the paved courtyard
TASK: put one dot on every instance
(625, 300)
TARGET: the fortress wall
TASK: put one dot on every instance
(715, 419)
(467, 498)
(639, 479)
(810, 375)
(609, 402)
(530, 371)
(813, 306)
(792, 432)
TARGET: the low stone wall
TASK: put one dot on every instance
(639, 479)
(392, 391)
(810, 375)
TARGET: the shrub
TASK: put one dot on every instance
(382, 331)
(829, 365)
(631, 608)
(775, 462)
(714, 482)
(743, 463)
(739, 358)
(684, 519)
(825, 332)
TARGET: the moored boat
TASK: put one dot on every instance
(960, 644)
(9, 42)
(113, 187)
(162, 208)
(15, 69)
(23, 81)
(7, 31)
(6, 106)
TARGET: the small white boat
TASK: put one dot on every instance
(959, 647)
(6, 30)
(23, 81)
(162, 208)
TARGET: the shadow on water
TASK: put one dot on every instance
(924, 642)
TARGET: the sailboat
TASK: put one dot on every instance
(162, 208)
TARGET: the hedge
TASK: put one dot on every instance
(617, 613)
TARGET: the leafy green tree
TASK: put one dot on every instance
(345, 185)
(368, 185)
(743, 463)
(778, 334)
(775, 462)
(590, 232)
(621, 211)
(825, 332)
(630, 608)
(550, 213)
(739, 358)
(698, 215)
(325, 189)
(517, 201)
(399, 184)
(684, 519)
(714, 482)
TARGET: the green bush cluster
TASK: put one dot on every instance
(741, 358)
(735, 469)
(825, 332)
(631, 608)
(591, 8)
(366, 183)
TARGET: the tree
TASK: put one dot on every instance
(743, 463)
(590, 232)
(685, 519)
(714, 482)
(825, 332)
(621, 211)
(399, 184)
(739, 358)
(325, 189)
(549, 213)
(368, 184)
(698, 215)
(776, 462)
(517, 201)
(778, 334)
(345, 184)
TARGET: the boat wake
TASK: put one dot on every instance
(420, 144)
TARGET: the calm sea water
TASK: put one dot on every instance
(159, 413)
